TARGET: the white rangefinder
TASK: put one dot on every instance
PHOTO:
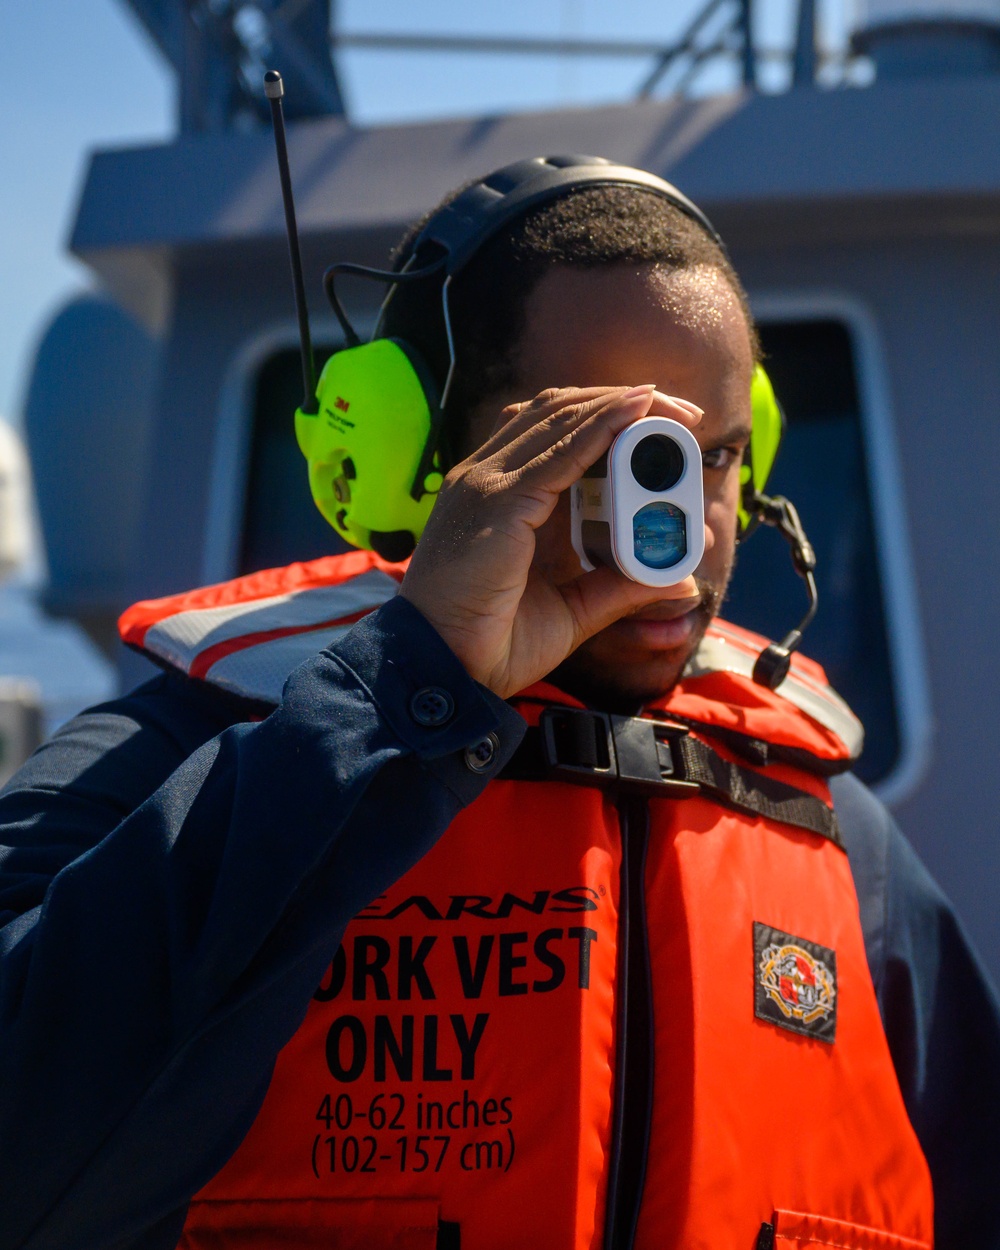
(641, 508)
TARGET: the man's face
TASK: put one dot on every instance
(627, 325)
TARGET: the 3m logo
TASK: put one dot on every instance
(341, 404)
(795, 983)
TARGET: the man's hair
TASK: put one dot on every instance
(588, 228)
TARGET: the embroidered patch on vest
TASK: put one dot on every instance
(795, 983)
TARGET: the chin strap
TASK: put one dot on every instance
(780, 513)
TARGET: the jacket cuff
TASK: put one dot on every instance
(461, 730)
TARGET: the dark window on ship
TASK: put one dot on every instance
(821, 468)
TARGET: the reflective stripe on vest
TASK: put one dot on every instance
(247, 635)
(472, 1072)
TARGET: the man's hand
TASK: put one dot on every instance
(471, 573)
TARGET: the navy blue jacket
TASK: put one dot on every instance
(174, 879)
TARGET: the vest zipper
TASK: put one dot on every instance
(633, 1093)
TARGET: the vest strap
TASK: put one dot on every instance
(660, 758)
(756, 794)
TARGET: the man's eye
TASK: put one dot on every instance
(719, 457)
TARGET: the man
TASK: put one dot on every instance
(561, 1016)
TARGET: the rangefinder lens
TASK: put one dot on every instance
(657, 462)
(659, 532)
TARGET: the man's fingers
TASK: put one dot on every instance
(677, 409)
(525, 431)
(557, 435)
(582, 429)
(561, 462)
(541, 420)
(517, 418)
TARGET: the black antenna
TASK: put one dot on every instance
(274, 89)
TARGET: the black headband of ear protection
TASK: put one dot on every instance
(463, 225)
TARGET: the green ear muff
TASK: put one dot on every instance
(366, 444)
(765, 438)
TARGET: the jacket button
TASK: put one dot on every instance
(479, 758)
(432, 706)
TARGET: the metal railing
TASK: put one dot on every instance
(720, 28)
(722, 31)
(220, 48)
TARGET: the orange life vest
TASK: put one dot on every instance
(581, 1011)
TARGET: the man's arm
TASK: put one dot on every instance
(170, 896)
(940, 1015)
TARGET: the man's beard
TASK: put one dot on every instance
(613, 691)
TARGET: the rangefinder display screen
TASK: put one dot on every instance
(659, 533)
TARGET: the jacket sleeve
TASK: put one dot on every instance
(170, 896)
(941, 1019)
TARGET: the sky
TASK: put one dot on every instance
(82, 74)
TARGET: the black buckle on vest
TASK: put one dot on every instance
(642, 756)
